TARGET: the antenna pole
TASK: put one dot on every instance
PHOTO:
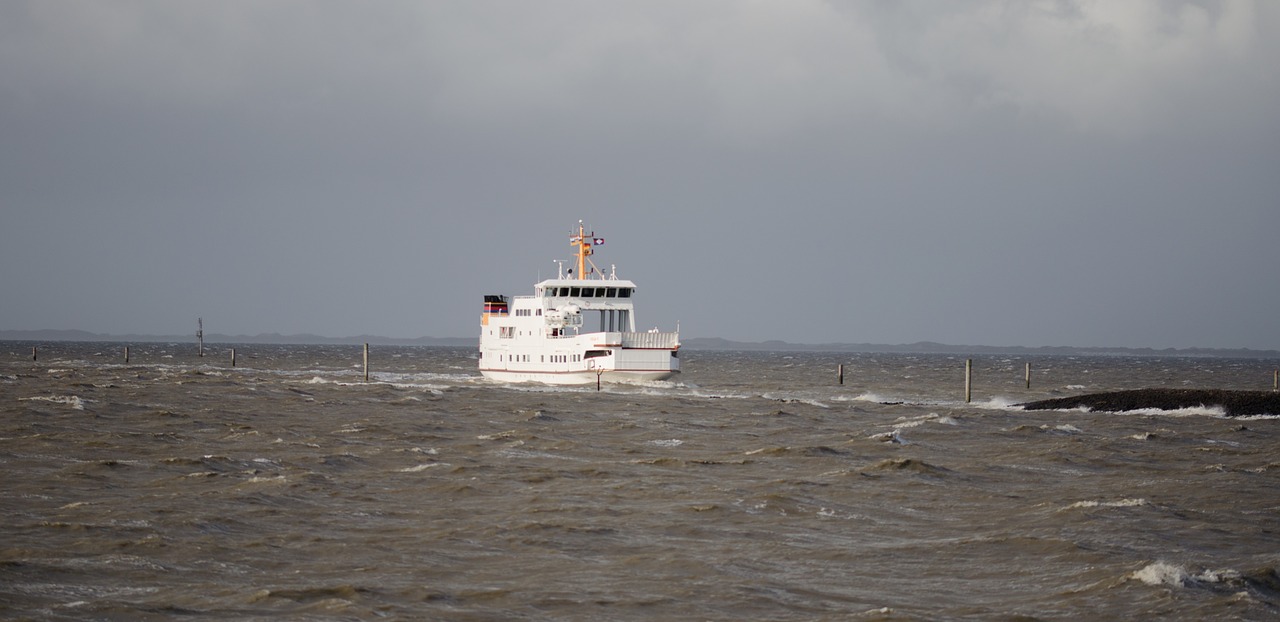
(584, 249)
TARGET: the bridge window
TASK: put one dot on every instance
(591, 354)
(624, 292)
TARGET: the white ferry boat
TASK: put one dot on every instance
(578, 328)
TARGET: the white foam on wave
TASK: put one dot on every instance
(1161, 573)
(418, 468)
(1122, 503)
(670, 442)
(911, 422)
(267, 479)
(1064, 427)
(1193, 411)
(864, 397)
(1258, 417)
(699, 393)
(74, 401)
(798, 400)
(1165, 573)
(997, 403)
(892, 436)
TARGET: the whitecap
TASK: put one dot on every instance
(273, 479)
(864, 397)
(997, 403)
(801, 400)
(672, 442)
(1193, 411)
(1165, 573)
(1065, 427)
(74, 401)
(1122, 503)
(1161, 573)
(892, 436)
(418, 468)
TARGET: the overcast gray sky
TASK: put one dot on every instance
(1088, 173)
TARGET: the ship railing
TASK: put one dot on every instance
(664, 341)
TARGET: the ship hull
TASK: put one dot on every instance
(577, 378)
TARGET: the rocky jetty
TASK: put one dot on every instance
(1233, 403)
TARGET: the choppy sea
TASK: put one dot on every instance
(752, 487)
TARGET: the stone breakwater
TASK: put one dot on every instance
(1233, 403)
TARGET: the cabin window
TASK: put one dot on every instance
(588, 292)
(624, 292)
(573, 292)
(611, 292)
(591, 354)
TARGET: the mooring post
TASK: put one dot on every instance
(34, 354)
(366, 362)
(1275, 380)
(968, 380)
(233, 357)
(126, 355)
(599, 372)
(200, 334)
(1028, 375)
(840, 373)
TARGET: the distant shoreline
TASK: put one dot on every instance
(695, 343)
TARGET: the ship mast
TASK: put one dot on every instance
(582, 249)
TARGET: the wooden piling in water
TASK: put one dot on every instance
(233, 357)
(968, 380)
(366, 362)
(35, 355)
(840, 373)
(1275, 380)
(1028, 375)
(126, 355)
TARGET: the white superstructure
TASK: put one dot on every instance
(578, 328)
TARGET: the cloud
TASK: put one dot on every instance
(1081, 145)
(738, 70)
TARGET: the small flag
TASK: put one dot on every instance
(597, 241)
